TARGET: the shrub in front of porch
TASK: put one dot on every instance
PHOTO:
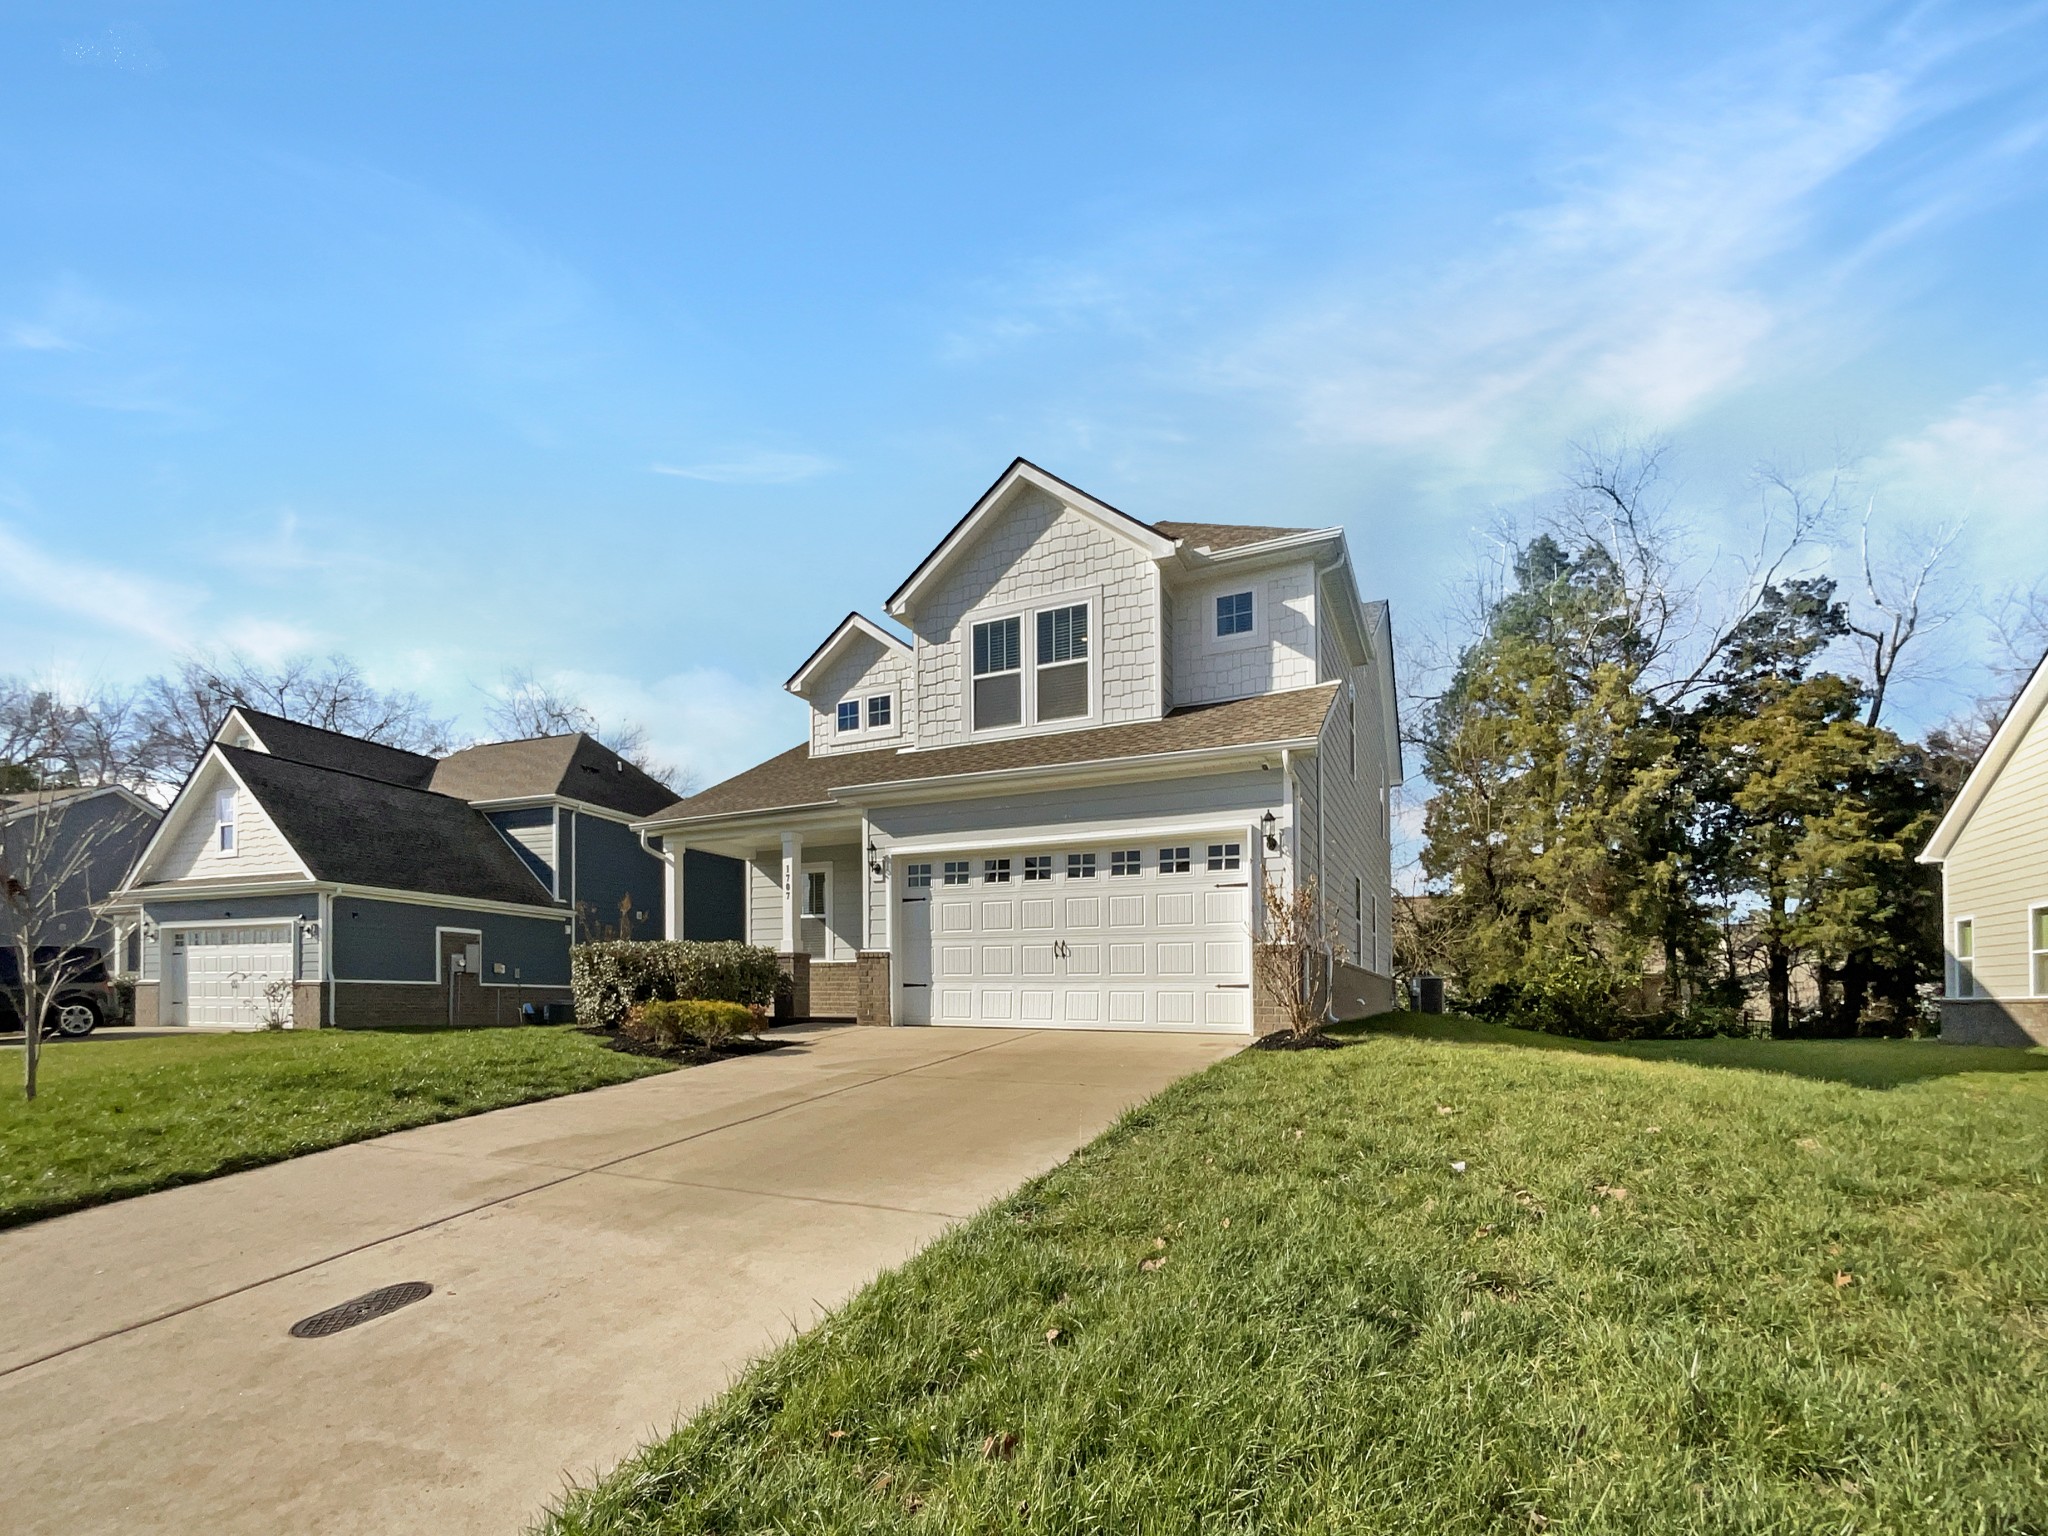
(689, 1022)
(607, 980)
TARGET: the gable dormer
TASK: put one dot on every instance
(861, 686)
(1039, 611)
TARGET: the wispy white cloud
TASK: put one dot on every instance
(94, 596)
(1984, 460)
(752, 468)
(708, 722)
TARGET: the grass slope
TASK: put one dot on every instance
(121, 1117)
(1713, 1286)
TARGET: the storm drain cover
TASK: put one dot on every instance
(371, 1304)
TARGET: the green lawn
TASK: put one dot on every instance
(120, 1117)
(1714, 1286)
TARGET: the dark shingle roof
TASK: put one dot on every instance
(797, 778)
(367, 831)
(575, 767)
(1224, 535)
(298, 742)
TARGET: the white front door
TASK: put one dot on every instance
(1089, 936)
(227, 975)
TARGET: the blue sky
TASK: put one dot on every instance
(636, 344)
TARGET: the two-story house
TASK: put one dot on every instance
(321, 879)
(1056, 797)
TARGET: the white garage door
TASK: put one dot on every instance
(1093, 937)
(218, 975)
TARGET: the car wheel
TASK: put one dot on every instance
(75, 1019)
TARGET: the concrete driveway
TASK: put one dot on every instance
(600, 1264)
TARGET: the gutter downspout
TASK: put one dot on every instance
(673, 895)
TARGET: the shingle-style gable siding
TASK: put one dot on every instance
(1998, 869)
(192, 850)
(866, 668)
(1039, 550)
(1282, 656)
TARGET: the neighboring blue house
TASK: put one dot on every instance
(313, 879)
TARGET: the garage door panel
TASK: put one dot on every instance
(220, 975)
(1133, 948)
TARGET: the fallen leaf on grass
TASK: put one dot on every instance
(1052, 1335)
(1457, 1167)
(1151, 1264)
(835, 1434)
(1843, 1278)
(1651, 1130)
(1808, 1144)
(1226, 1221)
(1158, 1242)
(1445, 1109)
(1610, 1191)
(999, 1447)
(881, 1482)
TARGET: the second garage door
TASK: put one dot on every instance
(1092, 937)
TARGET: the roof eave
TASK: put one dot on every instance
(2005, 741)
(854, 623)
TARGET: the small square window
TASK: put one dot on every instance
(1126, 861)
(880, 708)
(1038, 866)
(849, 715)
(1234, 614)
(995, 871)
(1225, 855)
(956, 872)
(1080, 866)
(1173, 861)
(917, 876)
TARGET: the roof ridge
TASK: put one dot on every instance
(325, 730)
(346, 773)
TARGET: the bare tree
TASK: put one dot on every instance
(1901, 601)
(46, 857)
(180, 712)
(1297, 954)
(524, 706)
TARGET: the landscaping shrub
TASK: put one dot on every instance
(1576, 996)
(608, 979)
(689, 1021)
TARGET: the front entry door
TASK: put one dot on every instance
(461, 967)
(914, 996)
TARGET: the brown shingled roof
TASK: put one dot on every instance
(797, 778)
(574, 766)
(1224, 535)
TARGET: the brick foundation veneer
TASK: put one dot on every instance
(1989, 1021)
(874, 988)
(148, 1001)
(796, 1003)
(835, 989)
(370, 1005)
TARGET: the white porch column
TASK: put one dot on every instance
(792, 871)
(672, 855)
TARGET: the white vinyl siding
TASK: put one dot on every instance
(192, 850)
(868, 670)
(1997, 873)
(1278, 651)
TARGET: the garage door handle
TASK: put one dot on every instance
(917, 983)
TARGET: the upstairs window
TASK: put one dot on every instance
(880, 710)
(1063, 663)
(1233, 614)
(849, 715)
(998, 674)
(1038, 866)
(224, 821)
(1966, 957)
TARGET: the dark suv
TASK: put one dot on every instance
(86, 1000)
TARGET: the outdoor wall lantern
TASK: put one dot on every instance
(1267, 823)
(309, 927)
(874, 860)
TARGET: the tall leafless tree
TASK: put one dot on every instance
(525, 706)
(1901, 602)
(47, 851)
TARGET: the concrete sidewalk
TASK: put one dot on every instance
(600, 1264)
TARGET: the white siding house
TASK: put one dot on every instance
(1098, 739)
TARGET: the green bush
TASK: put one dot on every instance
(689, 1021)
(1576, 995)
(608, 979)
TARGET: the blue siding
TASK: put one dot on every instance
(610, 866)
(394, 941)
(714, 896)
(306, 904)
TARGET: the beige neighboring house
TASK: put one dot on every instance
(1992, 847)
(1052, 797)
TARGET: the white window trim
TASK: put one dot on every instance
(1027, 654)
(1255, 636)
(232, 821)
(1955, 960)
(859, 699)
(804, 876)
(2034, 955)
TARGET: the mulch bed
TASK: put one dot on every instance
(1283, 1041)
(689, 1055)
